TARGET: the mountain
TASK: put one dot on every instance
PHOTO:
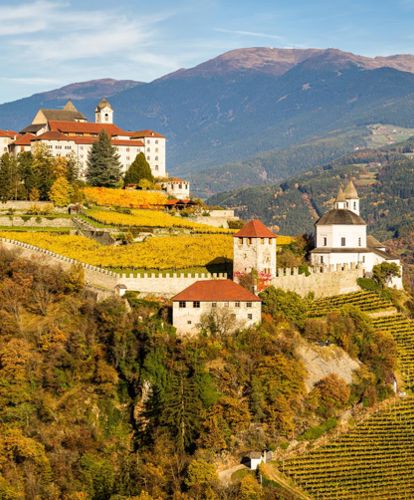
(384, 178)
(15, 115)
(250, 103)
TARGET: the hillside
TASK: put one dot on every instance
(383, 178)
(249, 102)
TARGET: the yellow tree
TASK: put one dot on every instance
(60, 192)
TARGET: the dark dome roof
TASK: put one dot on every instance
(340, 216)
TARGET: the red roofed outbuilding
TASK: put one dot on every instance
(225, 300)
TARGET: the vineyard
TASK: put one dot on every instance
(365, 301)
(173, 252)
(402, 329)
(150, 218)
(375, 460)
(124, 198)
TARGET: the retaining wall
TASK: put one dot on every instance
(30, 221)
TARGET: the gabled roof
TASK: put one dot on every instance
(24, 140)
(68, 113)
(33, 128)
(340, 216)
(103, 103)
(69, 127)
(216, 291)
(51, 136)
(254, 229)
(8, 133)
(350, 191)
(146, 133)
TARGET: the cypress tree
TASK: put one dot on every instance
(138, 170)
(103, 168)
(9, 179)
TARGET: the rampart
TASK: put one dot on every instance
(166, 284)
(101, 280)
(322, 281)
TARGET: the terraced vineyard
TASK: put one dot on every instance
(375, 460)
(402, 329)
(365, 301)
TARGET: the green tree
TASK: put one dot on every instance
(60, 192)
(9, 178)
(25, 164)
(383, 273)
(138, 170)
(104, 168)
(277, 302)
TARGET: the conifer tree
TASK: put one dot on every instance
(103, 168)
(138, 170)
(9, 178)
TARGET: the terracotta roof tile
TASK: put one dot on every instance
(216, 291)
(146, 133)
(51, 136)
(24, 140)
(254, 229)
(8, 133)
(68, 127)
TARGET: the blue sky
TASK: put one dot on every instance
(46, 44)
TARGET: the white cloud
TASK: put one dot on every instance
(249, 33)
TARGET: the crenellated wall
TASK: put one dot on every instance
(167, 284)
(323, 281)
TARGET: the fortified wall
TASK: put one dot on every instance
(323, 281)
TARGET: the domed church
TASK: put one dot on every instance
(341, 236)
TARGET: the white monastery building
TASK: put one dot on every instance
(341, 237)
(67, 132)
(242, 308)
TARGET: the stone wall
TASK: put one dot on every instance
(25, 205)
(324, 281)
(167, 284)
(101, 280)
(35, 221)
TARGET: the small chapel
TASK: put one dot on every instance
(341, 237)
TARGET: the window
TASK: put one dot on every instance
(182, 304)
(343, 242)
(249, 304)
(189, 322)
(355, 205)
(196, 304)
(325, 241)
(363, 259)
(156, 167)
(237, 304)
(359, 241)
(156, 158)
(321, 260)
(214, 304)
(156, 141)
(250, 316)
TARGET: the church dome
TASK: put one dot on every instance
(341, 216)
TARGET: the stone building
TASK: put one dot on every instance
(341, 237)
(179, 188)
(228, 301)
(254, 250)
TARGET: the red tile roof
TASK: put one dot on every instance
(216, 291)
(51, 136)
(254, 229)
(127, 142)
(8, 133)
(24, 140)
(86, 128)
(146, 133)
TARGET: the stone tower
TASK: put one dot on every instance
(254, 249)
(352, 198)
(104, 112)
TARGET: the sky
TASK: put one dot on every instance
(46, 44)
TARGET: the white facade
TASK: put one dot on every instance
(341, 236)
(187, 315)
(154, 150)
(178, 188)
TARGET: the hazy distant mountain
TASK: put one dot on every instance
(248, 101)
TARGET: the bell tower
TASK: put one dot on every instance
(352, 198)
(104, 112)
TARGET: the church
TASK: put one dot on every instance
(341, 237)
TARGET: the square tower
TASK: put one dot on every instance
(254, 249)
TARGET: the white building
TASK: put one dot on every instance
(230, 301)
(341, 237)
(254, 249)
(66, 131)
(6, 138)
(179, 188)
